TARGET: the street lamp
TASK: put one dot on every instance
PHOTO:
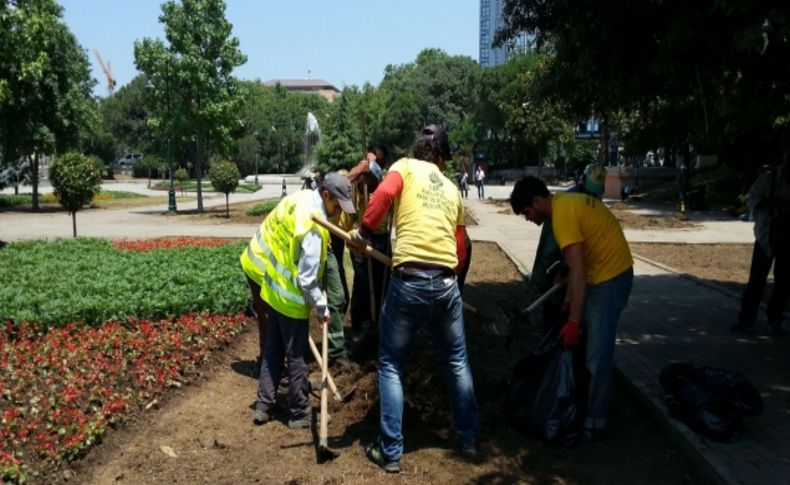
(282, 172)
(257, 156)
(171, 191)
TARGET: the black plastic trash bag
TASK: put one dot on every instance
(710, 401)
(549, 393)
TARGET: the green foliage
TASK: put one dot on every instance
(8, 200)
(125, 115)
(118, 195)
(436, 88)
(87, 279)
(224, 176)
(181, 175)
(263, 208)
(45, 84)
(668, 74)
(76, 180)
(273, 127)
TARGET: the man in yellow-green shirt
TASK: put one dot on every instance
(429, 252)
(599, 281)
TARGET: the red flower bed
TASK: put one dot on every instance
(60, 390)
(170, 243)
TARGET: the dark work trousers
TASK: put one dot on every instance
(338, 248)
(286, 337)
(337, 301)
(360, 297)
(262, 313)
(758, 274)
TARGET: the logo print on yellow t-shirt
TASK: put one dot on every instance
(436, 181)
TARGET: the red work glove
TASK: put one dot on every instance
(570, 334)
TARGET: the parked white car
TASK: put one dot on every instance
(129, 159)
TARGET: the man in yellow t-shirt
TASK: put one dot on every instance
(429, 252)
(599, 281)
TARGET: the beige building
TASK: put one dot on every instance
(314, 86)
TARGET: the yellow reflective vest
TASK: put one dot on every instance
(272, 256)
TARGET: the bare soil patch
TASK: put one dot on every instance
(630, 219)
(726, 265)
(627, 216)
(209, 426)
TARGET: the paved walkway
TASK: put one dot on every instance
(670, 317)
(135, 223)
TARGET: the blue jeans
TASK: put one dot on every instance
(414, 301)
(602, 308)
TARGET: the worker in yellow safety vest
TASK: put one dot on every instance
(286, 259)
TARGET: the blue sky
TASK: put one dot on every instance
(344, 42)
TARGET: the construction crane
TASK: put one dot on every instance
(106, 70)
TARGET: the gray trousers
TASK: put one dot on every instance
(285, 337)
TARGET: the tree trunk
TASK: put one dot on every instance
(74, 223)
(34, 181)
(199, 171)
(227, 206)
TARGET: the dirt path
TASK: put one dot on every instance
(208, 425)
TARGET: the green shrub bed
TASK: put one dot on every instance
(90, 280)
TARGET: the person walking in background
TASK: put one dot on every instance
(480, 182)
(600, 276)
(769, 202)
(287, 259)
(423, 290)
(464, 184)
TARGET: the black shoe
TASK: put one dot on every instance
(776, 330)
(742, 327)
(374, 454)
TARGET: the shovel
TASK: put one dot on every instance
(332, 386)
(324, 453)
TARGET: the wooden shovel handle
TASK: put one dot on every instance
(368, 249)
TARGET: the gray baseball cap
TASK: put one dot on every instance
(339, 186)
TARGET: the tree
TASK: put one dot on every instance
(45, 84)
(125, 115)
(709, 73)
(181, 175)
(76, 180)
(273, 127)
(224, 176)
(435, 88)
(196, 93)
